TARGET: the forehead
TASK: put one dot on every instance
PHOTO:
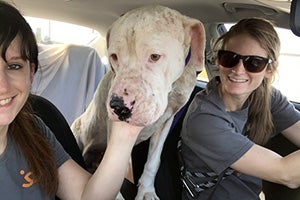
(14, 47)
(245, 44)
(148, 23)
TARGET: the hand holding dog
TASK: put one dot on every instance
(125, 131)
(115, 159)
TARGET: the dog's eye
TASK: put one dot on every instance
(154, 57)
(114, 57)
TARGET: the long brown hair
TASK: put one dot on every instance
(25, 129)
(259, 125)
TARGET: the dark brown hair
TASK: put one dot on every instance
(25, 129)
(260, 124)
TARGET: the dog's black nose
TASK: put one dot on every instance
(120, 109)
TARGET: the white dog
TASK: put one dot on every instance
(149, 82)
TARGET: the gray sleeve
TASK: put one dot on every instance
(284, 113)
(214, 139)
(60, 154)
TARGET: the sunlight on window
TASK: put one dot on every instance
(55, 32)
(203, 76)
(288, 80)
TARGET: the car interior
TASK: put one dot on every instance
(90, 64)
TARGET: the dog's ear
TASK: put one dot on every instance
(196, 40)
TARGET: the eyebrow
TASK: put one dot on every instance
(15, 58)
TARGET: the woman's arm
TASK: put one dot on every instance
(105, 183)
(268, 165)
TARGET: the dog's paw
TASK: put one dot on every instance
(146, 194)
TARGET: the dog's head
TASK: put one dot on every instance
(147, 49)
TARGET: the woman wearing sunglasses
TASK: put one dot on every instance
(228, 124)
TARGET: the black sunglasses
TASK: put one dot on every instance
(253, 64)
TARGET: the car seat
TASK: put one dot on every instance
(68, 76)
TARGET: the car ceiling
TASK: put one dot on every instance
(100, 14)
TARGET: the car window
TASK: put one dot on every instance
(202, 76)
(56, 32)
(287, 79)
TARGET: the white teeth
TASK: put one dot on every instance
(5, 101)
(238, 80)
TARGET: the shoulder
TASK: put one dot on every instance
(41, 124)
(276, 93)
(278, 100)
(59, 153)
(208, 101)
(45, 130)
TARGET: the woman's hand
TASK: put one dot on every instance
(125, 131)
(108, 178)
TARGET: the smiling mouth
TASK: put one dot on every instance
(5, 101)
(237, 80)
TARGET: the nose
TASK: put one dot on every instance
(239, 68)
(119, 108)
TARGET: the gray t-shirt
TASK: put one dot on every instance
(213, 139)
(15, 177)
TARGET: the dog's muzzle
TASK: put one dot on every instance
(119, 107)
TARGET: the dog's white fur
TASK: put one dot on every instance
(147, 48)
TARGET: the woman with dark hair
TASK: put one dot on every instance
(33, 165)
(228, 124)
